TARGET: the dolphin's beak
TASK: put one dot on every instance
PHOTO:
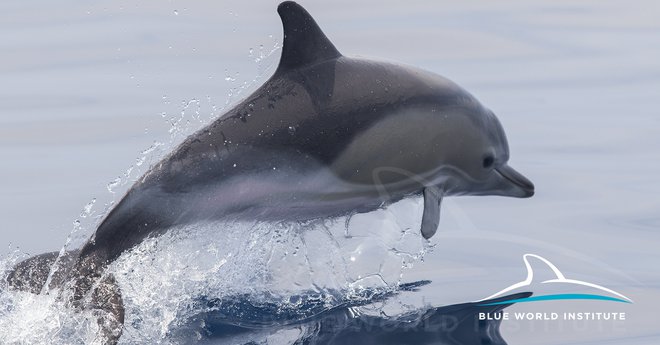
(520, 186)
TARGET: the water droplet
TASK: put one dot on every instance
(87, 210)
(128, 171)
(228, 77)
(113, 184)
(234, 165)
(292, 130)
(151, 148)
(176, 13)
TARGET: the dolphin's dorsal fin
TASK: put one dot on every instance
(304, 42)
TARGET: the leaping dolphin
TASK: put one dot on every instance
(327, 135)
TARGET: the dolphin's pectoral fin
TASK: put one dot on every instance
(431, 216)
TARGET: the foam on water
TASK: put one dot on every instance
(27, 318)
(163, 279)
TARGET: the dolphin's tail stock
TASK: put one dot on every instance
(100, 293)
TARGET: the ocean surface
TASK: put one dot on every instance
(92, 93)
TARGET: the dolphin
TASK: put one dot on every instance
(327, 135)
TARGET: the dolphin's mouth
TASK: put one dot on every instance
(516, 178)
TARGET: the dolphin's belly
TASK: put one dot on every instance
(280, 196)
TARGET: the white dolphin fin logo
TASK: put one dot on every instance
(560, 278)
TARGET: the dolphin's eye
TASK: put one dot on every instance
(488, 161)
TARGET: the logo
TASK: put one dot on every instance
(612, 296)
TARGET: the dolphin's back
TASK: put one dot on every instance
(314, 112)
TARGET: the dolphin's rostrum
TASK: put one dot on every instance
(327, 135)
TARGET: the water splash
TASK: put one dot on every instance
(42, 319)
(112, 185)
(163, 279)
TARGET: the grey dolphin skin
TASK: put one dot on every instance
(327, 135)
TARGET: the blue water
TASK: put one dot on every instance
(456, 324)
(93, 93)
